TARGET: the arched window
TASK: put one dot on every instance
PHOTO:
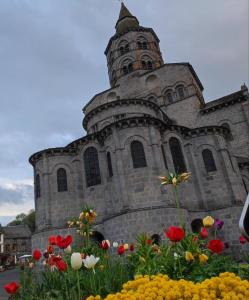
(177, 156)
(169, 96)
(230, 136)
(142, 43)
(149, 65)
(130, 67)
(126, 48)
(97, 237)
(109, 164)
(125, 70)
(180, 92)
(208, 159)
(121, 50)
(91, 162)
(62, 180)
(196, 225)
(138, 155)
(144, 65)
(37, 186)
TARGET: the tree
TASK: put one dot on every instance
(25, 219)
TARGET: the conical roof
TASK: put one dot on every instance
(124, 12)
(126, 20)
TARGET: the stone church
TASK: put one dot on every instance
(151, 121)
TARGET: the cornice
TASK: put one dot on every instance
(224, 102)
(100, 136)
(121, 102)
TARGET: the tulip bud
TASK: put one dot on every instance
(76, 261)
(68, 250)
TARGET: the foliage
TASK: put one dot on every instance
(25, 219)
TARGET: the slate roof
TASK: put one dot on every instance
(17, 231)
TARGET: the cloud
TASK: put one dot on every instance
(15, 193)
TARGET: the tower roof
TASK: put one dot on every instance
(126, 20)
(124, 12)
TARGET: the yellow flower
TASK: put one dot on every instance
(126, 246)
(189, 256)
(185, 176)
(174, 181)
(164, 180)
(208, 222)
(203, 258)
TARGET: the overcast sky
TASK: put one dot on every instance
(52, 62)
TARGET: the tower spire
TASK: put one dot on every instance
(126, 20)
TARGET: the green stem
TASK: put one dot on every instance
(179, 212)
(78, 280)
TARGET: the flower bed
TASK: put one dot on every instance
(159, 287)
(184, 266)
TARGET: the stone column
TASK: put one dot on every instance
(120, 170)
(47, 191)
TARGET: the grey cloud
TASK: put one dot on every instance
(20, 193)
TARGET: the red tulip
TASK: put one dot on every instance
(61, 265)
(132, 247)
(121, 249)
(204, 233)
(53, 260)
(105, 244)
(149, 241)
(63, 243)
(175, 234)
(242, 239)
(50, 249)
(216, 246)
(11, 288)
(37, 254)
(52, 240)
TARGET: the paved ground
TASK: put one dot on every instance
(6, 277)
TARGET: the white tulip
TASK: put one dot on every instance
(76, 261)
(90, 261)
(115, 244)
(68, 250)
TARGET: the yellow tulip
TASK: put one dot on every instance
(185, 176)
(174, 181)
(208, 222)
(126, 246)
(189, 256)
(203, 258)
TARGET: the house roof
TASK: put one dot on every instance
(17, 231)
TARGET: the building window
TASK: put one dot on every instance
(169, 96)
(124, 49)
(37, 186)
(109, 164)
(61, 180)
(138, 155)
(97, 237)
(208, 159)
(128, 68)
(229, 136)
(92, 171)
(147, 65)
(142, 45)
(177, 155)
(180, 92)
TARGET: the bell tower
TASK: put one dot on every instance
(133, 48)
